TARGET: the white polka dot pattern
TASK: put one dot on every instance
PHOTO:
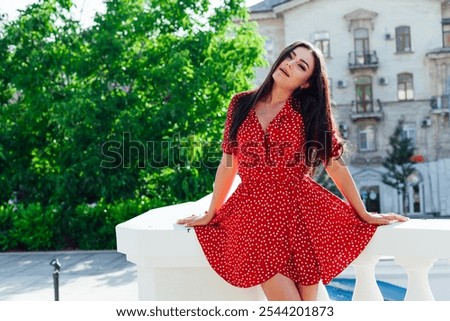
(279, 220)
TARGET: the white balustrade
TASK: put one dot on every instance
(171, 264)
(415, 245)
(366, 288)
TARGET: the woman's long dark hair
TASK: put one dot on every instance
(313, 103)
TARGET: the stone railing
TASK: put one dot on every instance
(171, 265)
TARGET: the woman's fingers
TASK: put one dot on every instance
(395, 217)
(198, 221)
(384, 219)
(186, 219)
(194, 220)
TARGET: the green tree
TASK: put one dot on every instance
(131, 107)
(398, 163)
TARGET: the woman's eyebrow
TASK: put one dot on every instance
(302, 60)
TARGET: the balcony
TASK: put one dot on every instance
(363, 110)
(171, 265)
(440, 104)
(362, 60)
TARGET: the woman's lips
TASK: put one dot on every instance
(284, 71)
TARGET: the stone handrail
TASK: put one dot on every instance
(171, 265)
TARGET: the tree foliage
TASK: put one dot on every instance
(130, 107)
(398, 162)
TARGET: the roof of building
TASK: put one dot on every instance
(266, 5)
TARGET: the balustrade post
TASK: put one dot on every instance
(417, 270)
(146, 283)
(322, 293)
(366, 287)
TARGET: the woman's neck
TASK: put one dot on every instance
(277, 95)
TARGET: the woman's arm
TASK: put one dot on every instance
(225, 174)
(339, 173)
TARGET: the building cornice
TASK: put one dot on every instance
(263, 15)
(360, 15)
(289, 5)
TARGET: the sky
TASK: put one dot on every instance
(85, 9)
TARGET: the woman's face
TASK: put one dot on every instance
(295, 70)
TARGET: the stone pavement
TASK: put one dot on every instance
(108, 276)
(84, 276)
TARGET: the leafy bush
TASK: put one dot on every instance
(130, 106)
(6, 224)
(27, 227)
(93, 226)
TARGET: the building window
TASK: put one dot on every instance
(446, 33)
(414, 197)
(364, 100)
(409, 131)
(403, 38)
(405, 86)
(362, 46)
(371, 198)
(367, 138)
(321, 40)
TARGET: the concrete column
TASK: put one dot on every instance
(418, 285)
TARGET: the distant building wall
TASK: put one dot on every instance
(397, 54)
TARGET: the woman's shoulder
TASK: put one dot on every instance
(241, 94)
(236, 100)
(240, 98)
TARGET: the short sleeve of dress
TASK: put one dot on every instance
(229, 147)
(337, 148)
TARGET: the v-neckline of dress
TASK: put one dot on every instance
(272, 120)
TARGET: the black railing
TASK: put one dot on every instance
(364, 106)
(365, 59)
(367, 109)
(440, 102)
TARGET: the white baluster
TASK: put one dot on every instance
(322, 293)
(146, 283)
(418, 285)
(366, 287)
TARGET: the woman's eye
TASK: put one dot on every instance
(303, 67)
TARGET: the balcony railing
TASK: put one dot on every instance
(362, 60)
(367, 110)
(171, 265)
(440, 103)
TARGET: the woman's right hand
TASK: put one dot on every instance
(196, 220)
(225, 175)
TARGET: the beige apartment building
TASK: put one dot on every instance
(388, 63)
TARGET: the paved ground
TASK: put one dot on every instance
(84, 276)
(108, 276)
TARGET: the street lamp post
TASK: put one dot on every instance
(57, 267)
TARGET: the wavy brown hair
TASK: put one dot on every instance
(313, 103)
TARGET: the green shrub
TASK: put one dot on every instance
(32, 227)
(93, 226)
(90, 227)
(6, 224)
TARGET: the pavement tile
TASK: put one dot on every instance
(84, 275)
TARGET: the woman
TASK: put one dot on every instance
(279, 228)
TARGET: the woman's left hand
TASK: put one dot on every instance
(195, 220)
(383, 219)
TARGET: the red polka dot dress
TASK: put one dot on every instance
(278, 220)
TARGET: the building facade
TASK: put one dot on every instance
(389, 64)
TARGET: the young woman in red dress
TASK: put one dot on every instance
(279, 228)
